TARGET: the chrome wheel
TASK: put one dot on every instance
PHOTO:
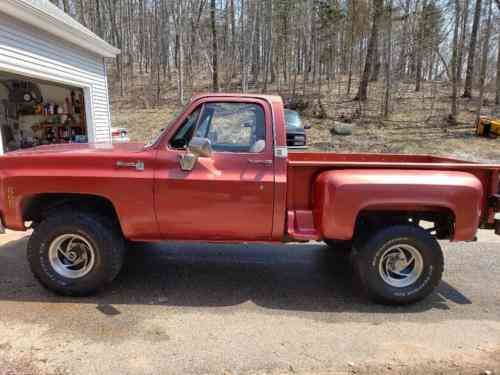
(71, 256)
(401, 265)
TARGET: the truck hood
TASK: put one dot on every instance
(80, 148)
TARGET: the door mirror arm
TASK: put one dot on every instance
(198, 147)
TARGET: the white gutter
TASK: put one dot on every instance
(60, 24)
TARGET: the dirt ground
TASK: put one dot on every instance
(250, 310)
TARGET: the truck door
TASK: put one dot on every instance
(230, 195)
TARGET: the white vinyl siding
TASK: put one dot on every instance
(27, 51)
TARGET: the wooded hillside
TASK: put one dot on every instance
(367, 59)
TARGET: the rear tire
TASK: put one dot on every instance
(399, 265)
(74, 253)
(338, 246)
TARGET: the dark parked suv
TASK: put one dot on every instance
(295, 129)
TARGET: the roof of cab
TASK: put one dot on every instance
(272, 98)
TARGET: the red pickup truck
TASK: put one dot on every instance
(222, 172)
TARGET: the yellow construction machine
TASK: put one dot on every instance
(488, 127)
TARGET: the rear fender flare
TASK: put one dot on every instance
(340, 196)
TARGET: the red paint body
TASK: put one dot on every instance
(301, 196)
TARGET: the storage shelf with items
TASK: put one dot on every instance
(34, 113)
(49, 122)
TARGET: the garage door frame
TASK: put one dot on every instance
(87, 94)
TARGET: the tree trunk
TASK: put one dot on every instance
(484, 59)
(82, 17)
(215, 67)
(420, 46)
(180, 53)
(403, 54)
(454, 67)
(376, 58)
(497, 89)
(472, 50)
(351, 41)
(98, 16)
(243, 48)
(388, 62)
(461, 45)
(363, 85)
(66, 6)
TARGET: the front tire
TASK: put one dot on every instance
(399, 265)
(75, 254)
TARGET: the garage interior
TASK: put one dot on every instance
(34, 112)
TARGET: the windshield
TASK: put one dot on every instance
(155, 138)
(292, 119)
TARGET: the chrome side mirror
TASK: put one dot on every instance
(198, 147)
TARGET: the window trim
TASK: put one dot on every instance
(202, 105)
(183, 123)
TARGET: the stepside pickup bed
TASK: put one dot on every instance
(222, 172)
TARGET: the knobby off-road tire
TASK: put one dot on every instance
(399, 265)
(75, 253)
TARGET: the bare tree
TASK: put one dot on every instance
(420, 45)
(363, 86)
(472, 51)
(351, 38)
(215, 65)
(484, 59)
(179, 23)
(388, 60)
(454, 65)
(497, 85)
(461, 44)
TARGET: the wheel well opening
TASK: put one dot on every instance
(36, 208)
(439, 222)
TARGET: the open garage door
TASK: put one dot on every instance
(34, 113)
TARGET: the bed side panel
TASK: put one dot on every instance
(339, 196)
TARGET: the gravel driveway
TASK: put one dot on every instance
(249, 309)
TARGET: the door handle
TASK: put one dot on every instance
(139, 165)
(260, 161)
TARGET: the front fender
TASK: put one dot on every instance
(340, 196)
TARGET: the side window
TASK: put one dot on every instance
(186, 131)
(233, 127)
